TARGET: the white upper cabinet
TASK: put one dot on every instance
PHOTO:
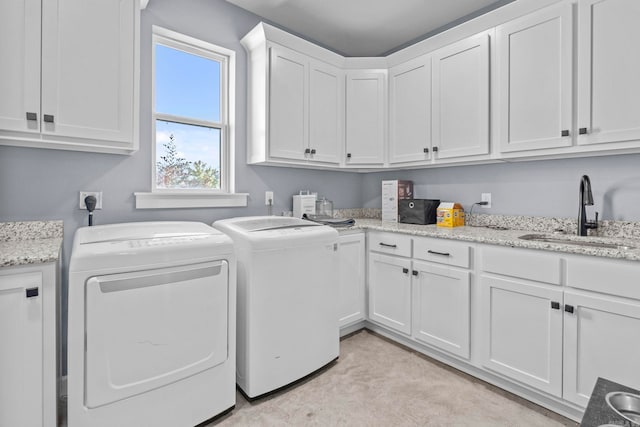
(296, 105)
(556, 78)
(20, 57)
(305, 108)
(534, 78)
(78, 88)
(326, 113)
(460, 102)
(410, 111)
(608, 70)
(365, 117)
(288, 110)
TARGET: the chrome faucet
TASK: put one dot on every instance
(586, 199)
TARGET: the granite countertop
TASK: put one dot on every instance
(598, 412)
(489, 234)
(30, 242)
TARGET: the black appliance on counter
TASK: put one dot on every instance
(417, 211)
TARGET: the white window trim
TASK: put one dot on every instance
(226, 196)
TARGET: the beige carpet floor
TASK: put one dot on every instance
(378, 383)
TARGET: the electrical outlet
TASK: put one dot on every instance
(485, 197)
(268, 198)
(96, 194)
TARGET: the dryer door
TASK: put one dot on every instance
(146, 329)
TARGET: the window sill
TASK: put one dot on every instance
(190, 200)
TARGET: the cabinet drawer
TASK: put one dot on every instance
(524, 264)
(390, 243)
(609, 276)
(442, 251)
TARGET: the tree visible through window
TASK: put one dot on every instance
(190, 107)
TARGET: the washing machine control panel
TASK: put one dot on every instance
(165, 241)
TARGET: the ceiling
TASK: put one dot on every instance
(367, 27)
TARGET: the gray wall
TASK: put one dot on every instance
(539, 188)
(38, 184)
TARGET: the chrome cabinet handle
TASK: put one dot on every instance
(582, 131)
(555, 305)
(425, 150)
(438, 253)
(313, 151)
(564, 133)
(405, 270)
(568, 308)
(48, 118)
(307, 151)
(32, 116)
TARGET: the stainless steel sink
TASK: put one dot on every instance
(567, 241)
(627, 405)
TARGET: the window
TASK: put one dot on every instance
(192, 153)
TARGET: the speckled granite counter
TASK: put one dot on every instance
(598, 412)
(30, 242)
(486, 234)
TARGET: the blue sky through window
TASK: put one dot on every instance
(187, 85)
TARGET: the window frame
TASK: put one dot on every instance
(176, 198)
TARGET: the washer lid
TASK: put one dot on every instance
(251, 224)
(273, 232)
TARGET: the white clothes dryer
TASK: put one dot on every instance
(287, 300)
(151, 335)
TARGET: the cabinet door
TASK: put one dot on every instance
(461, 98)
(89, 70)
(441, 307)
(522, 332)
(288, 111)
(608, 70)
(601, 340)
(326, 109)
(410, 111)
(390, 292)
(351, 278)
(21, 358)
(20, 58)
(534, 77)
(365, 116)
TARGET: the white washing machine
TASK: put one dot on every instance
(287, 300)
(151, 336)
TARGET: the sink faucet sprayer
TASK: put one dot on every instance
(586, 199)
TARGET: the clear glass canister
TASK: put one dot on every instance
(324, 208)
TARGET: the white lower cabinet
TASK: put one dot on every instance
(548, 323)
(601, 339)
(28, 355)
(441, 307)
(522, 331)
(390, 292)
(351, 276)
